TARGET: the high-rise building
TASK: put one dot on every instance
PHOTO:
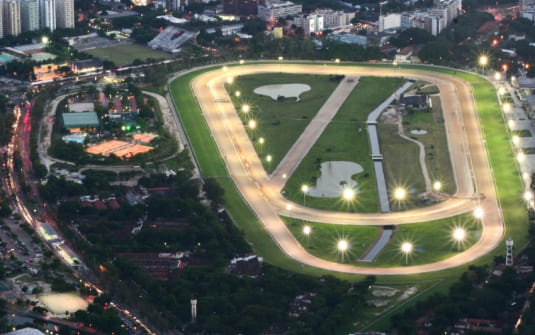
(276, 9)
(47, 14)
(1, 21)
(29, 15)
(65, 13)
(11, 17)
(242, 7)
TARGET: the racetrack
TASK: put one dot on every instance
(262, 192)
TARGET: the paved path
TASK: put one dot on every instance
(312, 132)
(465, 142)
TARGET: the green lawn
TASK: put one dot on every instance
(126, 54)
(401, 157)
(401, 166)
(432, 241)
(279, 122)
(324, 237)
(345, 139)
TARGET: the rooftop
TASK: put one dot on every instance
(72, 120)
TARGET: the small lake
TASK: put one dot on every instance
(282, 90)
(333, 175)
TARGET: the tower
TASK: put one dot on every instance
(509, 252)
(193, 310)
(29, 15)
(12, 17)
(65, 13)
(47, 14)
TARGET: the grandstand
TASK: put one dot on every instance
(171, 39)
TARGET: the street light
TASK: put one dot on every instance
(44, 40)
(238, 93)
(478, 213)
(501, 91)
(342, 247)
(252, 124)
(348, 194)
(400, 193)
(268, 159)
(507, 107)
(528, 196)
(289, 207)
(261, 141)
(245, 108)
(230, 80)
(458, 235)
(516, 139)
(242, 61)
(280, 63)
(406, 248)
(225, 68)
(483, 61)
(521, 157)
(511, 123)
(497, 76)
(304, 189)
(437, 185)
(307, 230)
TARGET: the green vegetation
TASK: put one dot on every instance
(522, 133)
(428, 90)
(433, 241)
(127, 54)
(279, 122)
(323, 238)
(345, 139)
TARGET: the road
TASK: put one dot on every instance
(262, 192)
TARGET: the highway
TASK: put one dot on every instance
(263, 192)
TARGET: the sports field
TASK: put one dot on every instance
(126, 54)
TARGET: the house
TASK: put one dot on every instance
(404, 55)
(418, 101)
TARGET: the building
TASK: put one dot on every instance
(278, 32)
(276, 9)
(73, 121)
(2, 34)
(11, 17)
(350, 39)
(242, 7)
(85, 66)
(174, 5)
(528, 13)
(47, 14)
(229, 30)
(29, 15)
(323, 19)
(26, 331)
(390, 21)
(65, 13)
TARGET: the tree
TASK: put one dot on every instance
(214, 191)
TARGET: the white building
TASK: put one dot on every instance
(47, 15)
(1, 21)
(65, 13)
(276, 9)
(323, 19)
(11, 17)
(390, 21)
(29, 15)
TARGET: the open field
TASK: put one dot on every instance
(126, 54)
(279, 122)
(432, 240)
(59, 303)
(345, 139)
(401, 166)
(323, 238)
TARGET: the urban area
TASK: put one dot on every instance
(267, 167)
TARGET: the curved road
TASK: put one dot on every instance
(262, 192)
